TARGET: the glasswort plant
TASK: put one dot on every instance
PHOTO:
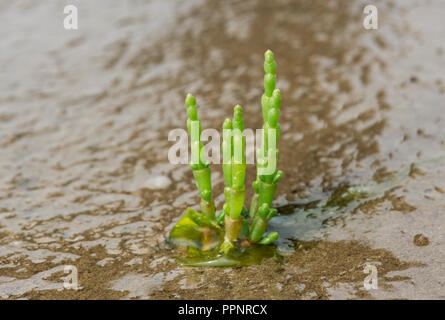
(205, 231)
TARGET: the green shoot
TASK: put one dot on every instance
(267, 156)
(234, 169)
(201, 170)
(234, 220)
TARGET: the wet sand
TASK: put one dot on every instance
(84, 121)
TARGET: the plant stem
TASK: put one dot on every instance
(260, 221)
(234, 168)
(267, 156)
(200, 167)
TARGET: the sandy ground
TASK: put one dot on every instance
(84, 122)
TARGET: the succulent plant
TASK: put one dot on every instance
(234, 222)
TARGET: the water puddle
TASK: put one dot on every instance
(297, 223)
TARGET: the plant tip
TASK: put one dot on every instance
(227, 124)
(190, 99)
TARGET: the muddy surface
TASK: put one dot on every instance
(84, 122)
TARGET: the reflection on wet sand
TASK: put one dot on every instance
(84, 123)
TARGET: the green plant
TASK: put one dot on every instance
(267, 174)
(234, 223)
(201, 171)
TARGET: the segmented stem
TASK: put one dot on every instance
(267, 156)
(201, 170)
(234, 169)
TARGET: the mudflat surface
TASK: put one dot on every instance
(84, 122)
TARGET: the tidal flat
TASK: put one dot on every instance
(84, 122)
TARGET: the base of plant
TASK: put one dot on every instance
(243, 253)
(208, 238)
(203, 244)
(227, 246)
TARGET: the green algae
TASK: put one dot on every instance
(344, 195)
(188, 231)
(239, 257)
(187, 236)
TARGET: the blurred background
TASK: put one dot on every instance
(84, 121)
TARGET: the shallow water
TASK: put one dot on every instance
(84, 122)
